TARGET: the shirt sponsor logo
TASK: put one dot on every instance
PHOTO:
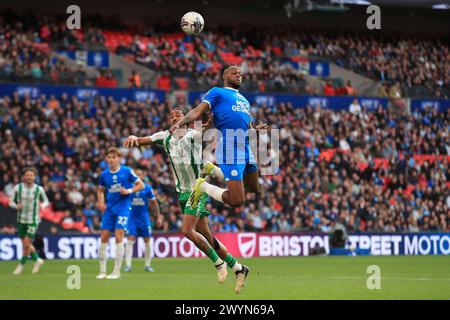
(115, 188)
(241, 106)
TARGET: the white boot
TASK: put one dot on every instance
(39, 262)
(19, 269)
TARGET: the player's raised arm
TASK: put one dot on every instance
(134, 141)
(193, 115)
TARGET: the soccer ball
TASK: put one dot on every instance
(192, 23)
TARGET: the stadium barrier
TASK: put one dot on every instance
(325, 102)
(247, 245)
(91, 58)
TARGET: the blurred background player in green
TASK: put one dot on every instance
(28, 197)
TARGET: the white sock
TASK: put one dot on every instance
(119, 257)
(219, 261)
(103, 257)
(217, 173)
(128, 252)
(215, 192)
(148, 254)
(237, 267)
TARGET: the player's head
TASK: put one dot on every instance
(29, 175)
(231, 76)
(177, 114)
(140, 173)
(113, 157)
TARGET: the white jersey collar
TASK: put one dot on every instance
(232, 89)
(114, 171)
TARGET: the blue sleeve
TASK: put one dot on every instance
(132, 176)
(150, 193)
(212, 97)
(101, 180)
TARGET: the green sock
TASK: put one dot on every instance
(23, 260)
(230, 260)
(212, 255)
(34, 256)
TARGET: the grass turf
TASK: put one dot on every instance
(402, 277)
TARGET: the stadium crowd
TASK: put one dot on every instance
(24, 56)
(329, 163)
(271, 60)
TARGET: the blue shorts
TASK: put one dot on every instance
(236, 172)
(116, 219)
(139, 226)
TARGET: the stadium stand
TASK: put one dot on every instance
(378, 171)
(269, 60)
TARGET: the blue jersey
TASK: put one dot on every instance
(231, 112)
(139, 202)
(112, 182)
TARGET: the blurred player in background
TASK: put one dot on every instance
(185, 157)
(139, 223)
(28, 198)
(119, 183)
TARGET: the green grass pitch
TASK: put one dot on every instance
(402, 277)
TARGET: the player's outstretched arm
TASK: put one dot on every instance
(193, 115)
(134, 141)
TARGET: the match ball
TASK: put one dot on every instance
(192, 23)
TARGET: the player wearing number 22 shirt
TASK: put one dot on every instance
(118, 206)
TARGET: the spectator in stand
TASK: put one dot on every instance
(383, 91)
(134, 80)
(329, 161)
(395, 91)
(329, 90)
(163, 82)
(355, 108)
(349, 90)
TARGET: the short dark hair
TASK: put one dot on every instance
(225, 67)
(26, 169)
(184, 110)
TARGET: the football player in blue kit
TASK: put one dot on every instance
(139, 224)
(238, 167)
(117, 183)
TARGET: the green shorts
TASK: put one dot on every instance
(200, 211)
(27, 230)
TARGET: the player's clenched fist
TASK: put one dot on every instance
(131, 141)
(101, 206)
(264, 126)
(159, 221)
